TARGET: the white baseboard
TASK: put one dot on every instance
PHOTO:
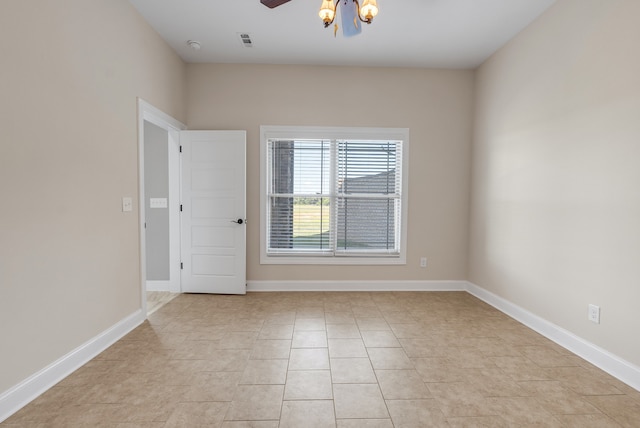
(259, 286)
(158, 285)
(26, 391)
(601, 358)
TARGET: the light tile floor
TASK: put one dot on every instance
(342, 360)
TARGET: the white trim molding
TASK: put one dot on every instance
(160, 286)
(259, 286)
(29, 389)
(601, 358)
(151, 114)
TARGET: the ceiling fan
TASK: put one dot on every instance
(352, 13)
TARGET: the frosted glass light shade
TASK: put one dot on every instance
(327, 11)
(369, 9)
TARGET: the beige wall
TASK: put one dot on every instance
(69, 266)
(435, 105)
(556, 201)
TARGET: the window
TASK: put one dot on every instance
(333, 195)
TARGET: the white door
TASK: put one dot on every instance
(213, 248)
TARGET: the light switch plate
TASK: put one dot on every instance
(594, 314)
(127, 204)
(158, 203)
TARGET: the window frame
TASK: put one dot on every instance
(268, 132)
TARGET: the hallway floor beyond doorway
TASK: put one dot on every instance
(157, 299)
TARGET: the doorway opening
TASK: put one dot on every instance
(192, 202)
(159, 202)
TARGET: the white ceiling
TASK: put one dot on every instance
(406, 33)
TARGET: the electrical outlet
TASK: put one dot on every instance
(594, 314)
(423, 262)
(127, 204)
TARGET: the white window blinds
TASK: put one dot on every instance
(334, 197)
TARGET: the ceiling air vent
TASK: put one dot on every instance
(245, 39)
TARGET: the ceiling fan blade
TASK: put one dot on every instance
(273, 3)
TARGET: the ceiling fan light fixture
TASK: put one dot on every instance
(327, 12)
(364, 13)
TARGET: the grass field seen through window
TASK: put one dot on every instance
(310, 220)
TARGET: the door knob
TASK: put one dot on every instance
(238, 221)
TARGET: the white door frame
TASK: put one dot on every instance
(149, 113)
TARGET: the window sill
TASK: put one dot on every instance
(344, 261)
